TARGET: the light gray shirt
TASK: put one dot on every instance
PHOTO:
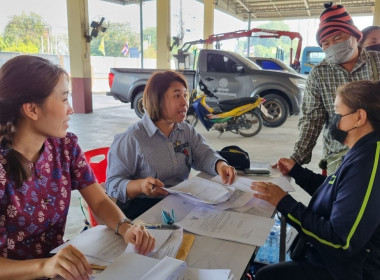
(143, 151)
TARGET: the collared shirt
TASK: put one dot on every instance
(33, 217)
(318, 103)
(143, 151)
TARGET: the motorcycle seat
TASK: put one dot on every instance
(228, 105)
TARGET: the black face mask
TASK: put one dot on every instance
(373, 48)
(336, 133)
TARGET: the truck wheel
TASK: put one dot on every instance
(138, 105)
(278, 108)
(249, 124)
(191, 117)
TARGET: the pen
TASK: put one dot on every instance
(155, 176)
(100, 267)
(160, 226)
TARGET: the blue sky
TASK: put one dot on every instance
(54, 13)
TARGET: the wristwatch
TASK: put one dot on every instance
(122, 221)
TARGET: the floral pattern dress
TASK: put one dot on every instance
(33, 217)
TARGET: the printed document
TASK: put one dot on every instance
(234, 226)
(101, 245)
(201, 190)
(134, 266)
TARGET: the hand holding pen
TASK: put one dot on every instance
(152, 186)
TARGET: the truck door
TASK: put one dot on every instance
(223, 77)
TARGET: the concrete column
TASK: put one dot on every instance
(79, 48)
(163, 34)
(376, 13)
(208, 20)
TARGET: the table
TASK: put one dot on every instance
(206, 252)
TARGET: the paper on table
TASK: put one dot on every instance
(133, 266)
(203, 190)
(162, 246)
(238, 199)
(101, 245)
(281, 181)
(192, 274)
(228, 225)
(171, 246)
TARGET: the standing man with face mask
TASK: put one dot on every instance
(345, 62)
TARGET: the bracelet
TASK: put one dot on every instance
(122, 221)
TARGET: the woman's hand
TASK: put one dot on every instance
(152, 187)
(269, 192)
(285, 165)
(68, 263)
(227, 172)
(138, 235)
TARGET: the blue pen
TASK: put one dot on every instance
(160, 226)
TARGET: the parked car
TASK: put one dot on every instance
(269, 63)
(228, 75)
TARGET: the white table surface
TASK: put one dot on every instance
(206, 252)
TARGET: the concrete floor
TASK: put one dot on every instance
(110, 117)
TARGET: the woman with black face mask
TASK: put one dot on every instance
(371, 38)
(340, 228)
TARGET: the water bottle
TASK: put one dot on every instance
(272, 247)
(262, 254)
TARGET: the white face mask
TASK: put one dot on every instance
(340, 52)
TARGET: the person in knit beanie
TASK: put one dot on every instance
(344, 62)
(336, 19)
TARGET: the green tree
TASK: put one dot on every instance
(267, 47)
(2, 44)
(115, 37)
(25, 32)
(150, 35)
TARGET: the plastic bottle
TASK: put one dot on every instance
(262, 254)
(272, 247)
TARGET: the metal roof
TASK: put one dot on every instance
(288, 9)
(278, 9)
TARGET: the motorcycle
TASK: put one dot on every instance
(241, 116)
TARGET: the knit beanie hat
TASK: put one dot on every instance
(336, 19)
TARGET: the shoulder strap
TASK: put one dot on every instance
(374, 68)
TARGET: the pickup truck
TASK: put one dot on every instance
(228, 75)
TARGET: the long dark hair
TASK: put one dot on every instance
(363, 95)
(23, 79)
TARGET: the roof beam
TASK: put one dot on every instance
(246, 8)
(307, 7)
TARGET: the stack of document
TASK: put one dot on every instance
(134, 266)
(198, 189)
(102, 246)
(233, 226)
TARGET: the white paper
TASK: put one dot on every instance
(161, 236)
(99, 244)
(195, 274)
(134, 266)
(171, 246)
(203, 190)
(238, 199)
(282, 181)
(234, 226)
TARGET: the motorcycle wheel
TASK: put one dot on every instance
(249, 124)
(192, 118)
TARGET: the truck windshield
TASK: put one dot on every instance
(250, 63)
